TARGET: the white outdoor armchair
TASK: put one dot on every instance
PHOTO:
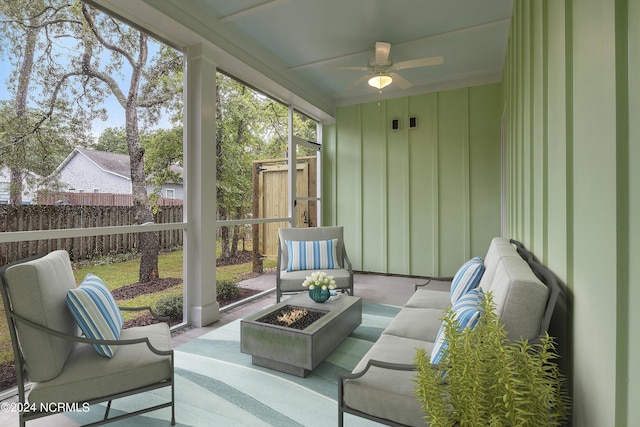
(304, 250)
(62, 365)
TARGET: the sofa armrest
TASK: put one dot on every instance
(344, 377)
(377, 364)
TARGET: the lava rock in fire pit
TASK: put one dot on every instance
(292, 317)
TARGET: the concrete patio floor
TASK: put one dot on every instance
(375, 288)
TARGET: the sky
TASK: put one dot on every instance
(116, 116)
(115, 111)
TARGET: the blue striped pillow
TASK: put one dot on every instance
(312, 254)
(467, 277)
(467, 312)
(96, 312)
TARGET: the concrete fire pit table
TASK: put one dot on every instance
(296, 351)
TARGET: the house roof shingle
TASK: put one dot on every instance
(116, 163)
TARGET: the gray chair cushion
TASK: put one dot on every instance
(38, 291)
(87, 375)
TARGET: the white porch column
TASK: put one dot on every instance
(200, 168)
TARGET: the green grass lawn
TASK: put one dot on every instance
(118, 274)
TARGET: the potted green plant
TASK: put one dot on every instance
(486, 380)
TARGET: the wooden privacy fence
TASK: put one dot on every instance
(48, 217)
(270, 199)
(99, 199)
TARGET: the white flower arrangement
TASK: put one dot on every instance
(319, 279)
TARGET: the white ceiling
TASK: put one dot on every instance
(300, 45)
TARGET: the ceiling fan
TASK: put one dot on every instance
(381, 68)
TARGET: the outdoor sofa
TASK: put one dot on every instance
(382, 386)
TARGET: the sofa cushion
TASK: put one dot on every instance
(38, 290)
(520, 298)
(466, 278)
(467, 312)
(312, 254)
(416, 323)
(429, 298)
(96, 312)
(500, 247)
(88, 375)
(385, 393)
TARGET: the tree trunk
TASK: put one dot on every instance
(234, 240)
(15, 187)
(224, 236)
(24, 78)
(149, 240)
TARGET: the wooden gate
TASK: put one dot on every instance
(272, 195)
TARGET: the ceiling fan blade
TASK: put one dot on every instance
(422, 62)
(359, 81)
(382, 52)
(352, 68)
(400, 81)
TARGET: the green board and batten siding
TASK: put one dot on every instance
(416, 201)
(572, 95)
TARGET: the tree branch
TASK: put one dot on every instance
(90, 71)
(92, 25)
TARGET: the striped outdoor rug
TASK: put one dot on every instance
(216, 384)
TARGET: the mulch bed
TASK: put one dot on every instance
(148, 319)
(135, 289)
(241, 257)
(7, 375)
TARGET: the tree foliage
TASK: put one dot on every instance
(30, 31)
(251, 126)
(80, 57)
(102, 35)
(164, 158)
(112, 140)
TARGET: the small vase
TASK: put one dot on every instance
(319, 295)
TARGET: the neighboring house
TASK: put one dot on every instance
(92, 171)
(172, 190)
(29, 187)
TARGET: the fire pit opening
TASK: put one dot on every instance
(291, 316)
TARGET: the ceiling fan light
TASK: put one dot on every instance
(380, 81)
